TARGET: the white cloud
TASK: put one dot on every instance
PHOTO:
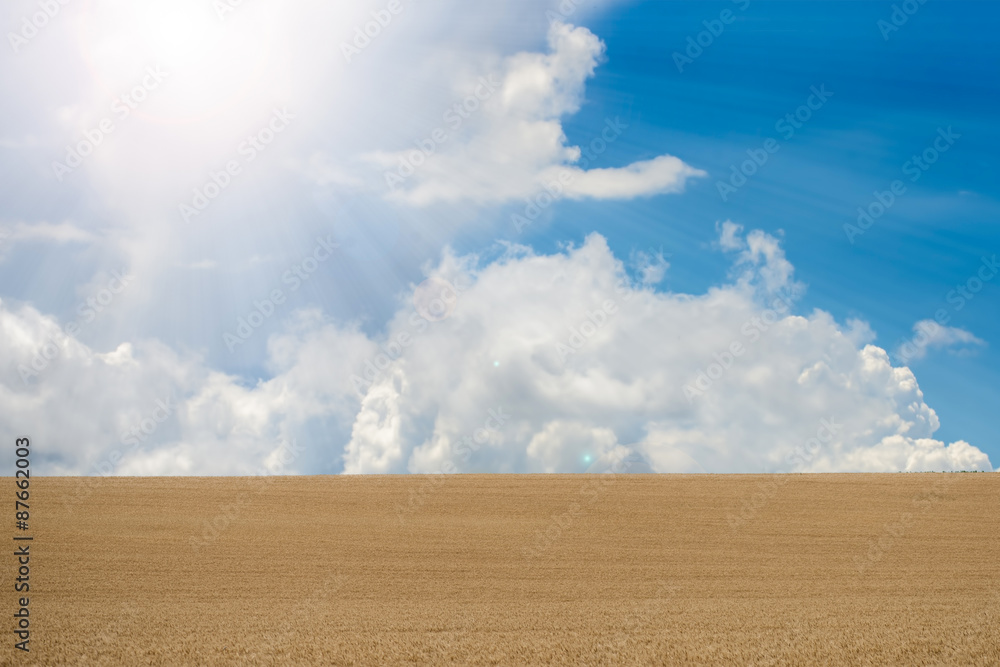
(509, 142)
(579, 361)
(651, 266)
(729, 235)
(224, 78)
(376, 444)
(661, 175)
(570, 445)
(504, 346)
(61, 232)
(928, 334)
(763, 261)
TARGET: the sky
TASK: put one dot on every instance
(395, 237)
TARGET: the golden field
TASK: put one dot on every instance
(513, 570)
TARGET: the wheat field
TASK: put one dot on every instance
(514, 570)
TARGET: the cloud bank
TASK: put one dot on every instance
(531, 363)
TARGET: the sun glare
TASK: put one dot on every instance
(179, 32)
(212, 62)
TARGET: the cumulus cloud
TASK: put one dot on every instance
(504, 139)
(222, 82)
(544, 363)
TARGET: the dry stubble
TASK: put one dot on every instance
(671, 569)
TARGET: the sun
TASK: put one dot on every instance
(179, 32)
(213, 60)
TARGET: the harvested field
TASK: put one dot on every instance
(510, 569)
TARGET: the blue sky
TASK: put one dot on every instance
(641, 222)
(890, 96)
